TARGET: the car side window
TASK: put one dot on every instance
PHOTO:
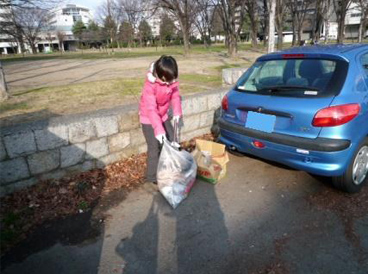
(364, 64)
(364, 61)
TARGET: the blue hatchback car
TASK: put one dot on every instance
(305, 107)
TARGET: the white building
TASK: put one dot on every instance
(352, 21)
(7, 43)
(63, 19)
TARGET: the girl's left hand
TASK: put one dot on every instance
(176, 118)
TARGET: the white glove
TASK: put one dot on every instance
(161, 138)
(175, 144)
(176, 118)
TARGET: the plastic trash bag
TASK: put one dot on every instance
(176, 173)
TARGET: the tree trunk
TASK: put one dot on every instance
(360, 32)
(253, 33)
(341, 27)
(327, 32)
(33, 47)
(271, 26)
(294, 32)
(266, 22)
(341, 31)
(300, 31)
(233, 45)
(4, 95)
(186, 40)
(279, 38)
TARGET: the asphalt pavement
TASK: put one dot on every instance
(261, 218)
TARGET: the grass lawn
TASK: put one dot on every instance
(124, 53)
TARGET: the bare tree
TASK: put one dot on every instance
(32, 21)
(61, 37)
(232, 15)
(363, 6)
(10, 27)
(204, 20)
(341, 7)
(271, 30)
(44, 4)
(109, 16)
(317, 19)
(251, 7)
(263, 11)
(185, 11)
(280, 14)
(298, 10)
(134, 11)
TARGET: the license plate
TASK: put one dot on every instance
(260, 121)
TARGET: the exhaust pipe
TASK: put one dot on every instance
(233, 148)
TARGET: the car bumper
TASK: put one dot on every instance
(321, 156)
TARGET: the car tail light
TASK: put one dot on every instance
(258, 144)
(336, 116)
(225, 103)
(292, 56)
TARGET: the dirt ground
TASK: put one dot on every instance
(44, 88)
(29, 75)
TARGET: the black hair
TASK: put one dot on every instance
(166, 68)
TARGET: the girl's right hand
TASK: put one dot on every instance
(161, 138)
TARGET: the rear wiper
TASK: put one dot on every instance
(288, 88)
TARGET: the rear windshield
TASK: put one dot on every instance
(295, 77)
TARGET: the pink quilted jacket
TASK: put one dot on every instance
(155, 102)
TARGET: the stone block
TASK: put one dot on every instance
(129, 151)
(97, 148)
(109, 159)
(81, 132)
(13, 170)
(231, 75)
(196, 133)
(128, 121)
(53, 175)
(137, 137)
(119, 141)
(106, 126)
(20, 144)
(14, 187)
(214, 101)
(44, 161)
(206, 119)
(195, 105)
(52, 137)
(142, 149)
(227, 76)
(191, 123)
(72, 155)
(86, 166)
(2, 151)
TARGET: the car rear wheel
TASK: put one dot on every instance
(357, 173)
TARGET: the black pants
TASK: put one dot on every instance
(154, 148)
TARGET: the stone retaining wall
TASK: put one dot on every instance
(60, 146)
(231, 75)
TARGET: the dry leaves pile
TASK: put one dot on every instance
(24, 210)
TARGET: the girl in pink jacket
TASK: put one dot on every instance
(160, 90)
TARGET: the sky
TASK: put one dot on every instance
(91, 4)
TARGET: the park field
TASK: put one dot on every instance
(49, 85)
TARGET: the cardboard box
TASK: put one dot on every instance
(211, 159)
